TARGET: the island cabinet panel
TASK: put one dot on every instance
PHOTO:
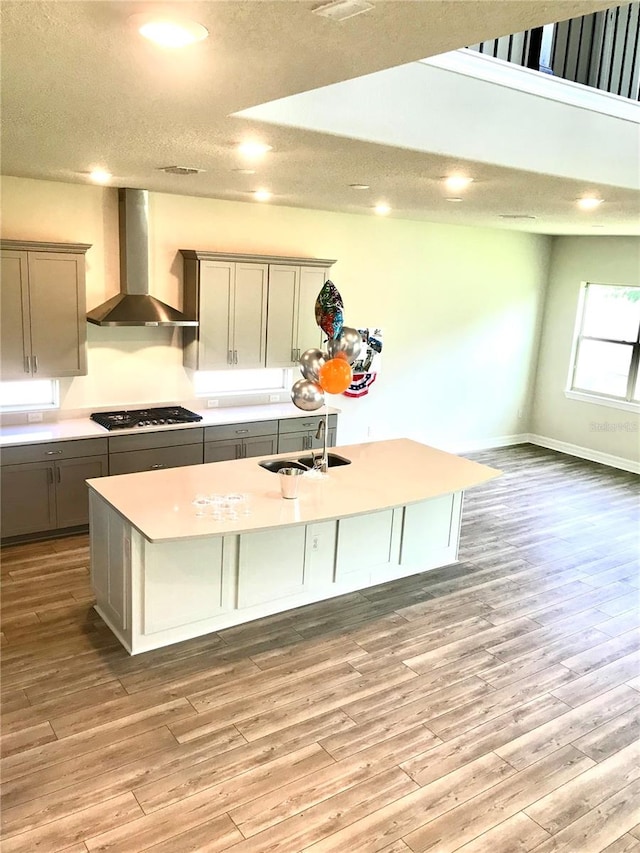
(271, 566)
(111, 557)
(43, 323)
(365, 542)
(430, 532)
(183, 584)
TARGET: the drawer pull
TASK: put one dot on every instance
(53, 453)
(157, 465)
(241, 431)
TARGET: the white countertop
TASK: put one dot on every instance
(381, 475)
(74, 428)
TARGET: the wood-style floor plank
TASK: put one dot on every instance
(492, 706)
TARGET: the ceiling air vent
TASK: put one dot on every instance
(180, 170)
(340, 10)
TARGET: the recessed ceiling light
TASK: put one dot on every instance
(340, 10)
(451, 198)
(253, 150)
(167, 32)
(244, 171)
(457, 182)
(359, 186)
(100, 176)
(588, 202)
(262, 195)
(516, 216)
(382, 209)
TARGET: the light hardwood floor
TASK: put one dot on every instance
(487, 707)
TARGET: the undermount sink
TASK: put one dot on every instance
(304, 463)
(333, 460)
(276, 464)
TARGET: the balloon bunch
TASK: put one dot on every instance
(328, 371)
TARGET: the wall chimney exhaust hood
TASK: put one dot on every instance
(134, 305)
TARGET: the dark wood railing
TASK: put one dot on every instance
(600, 50)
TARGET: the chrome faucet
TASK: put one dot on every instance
(321, 463)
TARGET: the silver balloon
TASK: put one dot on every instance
(346, 345)
(311, 361)
(307, 395)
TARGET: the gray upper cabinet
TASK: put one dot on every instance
(291, 323)
(43, 325)
(253, 310)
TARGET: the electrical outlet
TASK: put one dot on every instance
(274, 398)
(34, 417)
(315, 543)
(212, 404)
(519, 414)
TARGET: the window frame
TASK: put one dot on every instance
(627, 403)
(51, 405)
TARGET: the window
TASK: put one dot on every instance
(241, 381)
(25, 396)
(606, 349)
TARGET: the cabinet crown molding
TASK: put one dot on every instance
(33, 246)
(199, 255)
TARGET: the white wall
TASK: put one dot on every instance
(605, 260)
(460, 307)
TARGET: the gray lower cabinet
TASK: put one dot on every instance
(298, 434)
(129, 454)
(240, 441)
(43, 486)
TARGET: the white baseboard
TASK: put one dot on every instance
(489, 443)
(620, 462)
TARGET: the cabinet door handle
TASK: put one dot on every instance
(35, 364)
(157, 465)
(53, 453)
(293, 356)
(229, 356)
(27, 364)
(50, 476)
(58, 475)
(235, 356)
(238, 451)
(297, 355)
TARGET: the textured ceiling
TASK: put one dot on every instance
(81, 89)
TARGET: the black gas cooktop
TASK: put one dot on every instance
(145, 417)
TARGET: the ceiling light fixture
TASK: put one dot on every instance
(340, 10)
(262, 195)
(457, 182)
(100, 176)
(253, 150)
(516, 216)
(382, 209)
(452, 198)
(244, 171)
(180, 170)
(169, 33)
(588, 202)
(359, 186)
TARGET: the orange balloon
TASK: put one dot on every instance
(335, 375)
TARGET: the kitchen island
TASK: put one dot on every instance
(162, 572)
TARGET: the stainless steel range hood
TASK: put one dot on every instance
(134, 305)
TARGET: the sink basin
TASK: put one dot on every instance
(333, 459)
(276, 464)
